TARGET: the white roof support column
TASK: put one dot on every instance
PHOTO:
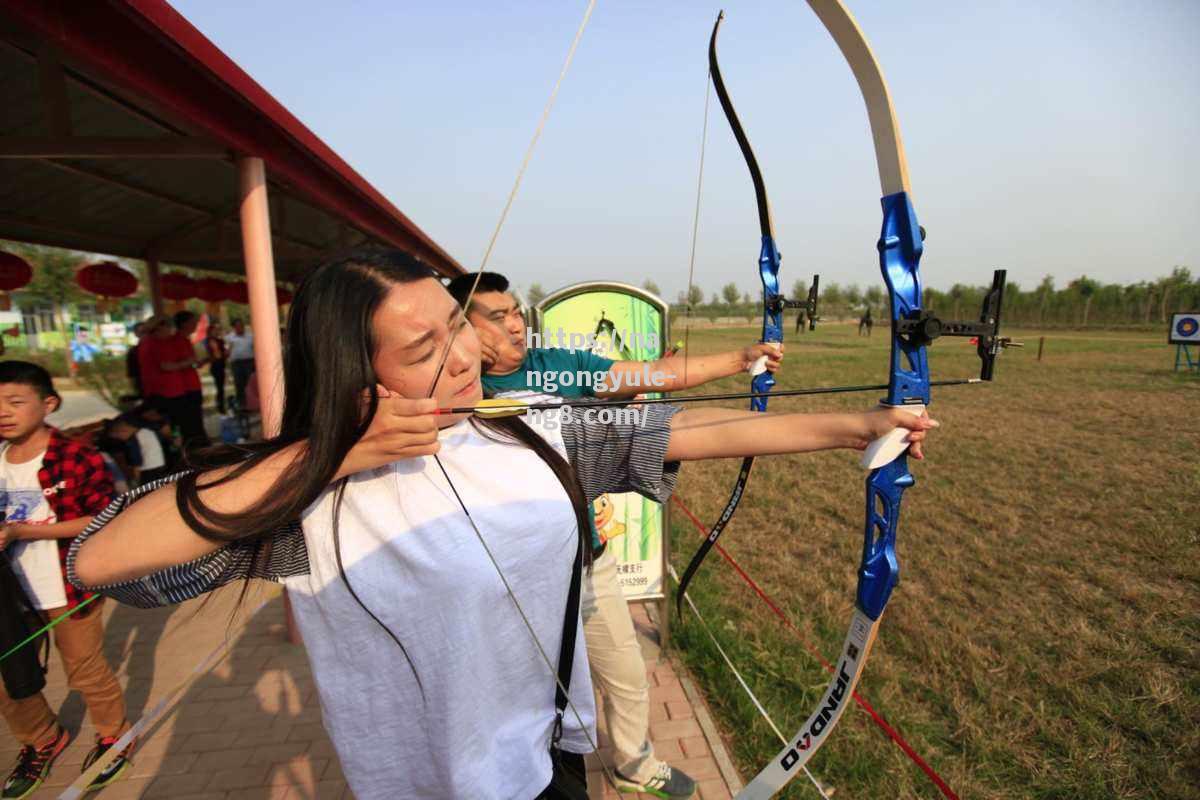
(260, 280)
(264, 309)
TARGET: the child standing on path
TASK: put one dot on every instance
(50, 487)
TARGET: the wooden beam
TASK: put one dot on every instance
(162, 197)
(53, 88)
(154, 278)
(169, 237)
(81, 240)
(110, 147)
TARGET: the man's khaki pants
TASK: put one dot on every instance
(618, 669)
(80, 641)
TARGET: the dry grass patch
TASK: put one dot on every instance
(1043, 640)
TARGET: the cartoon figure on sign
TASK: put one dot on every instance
(606, 525)
(608, 342)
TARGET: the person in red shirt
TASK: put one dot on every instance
(178, 359)
(155, 383)
(169, 375)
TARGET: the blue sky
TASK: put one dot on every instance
(1049, 138)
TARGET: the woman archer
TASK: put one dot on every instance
(374, 512)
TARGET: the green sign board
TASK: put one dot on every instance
(622, 323)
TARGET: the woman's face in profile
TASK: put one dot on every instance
(412, 331)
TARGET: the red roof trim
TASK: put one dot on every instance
(152, 51)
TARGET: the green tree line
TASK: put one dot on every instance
(1083, 302)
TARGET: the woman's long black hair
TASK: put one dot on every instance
(327, 365)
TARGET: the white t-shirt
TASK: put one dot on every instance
(240, 347)
(482, 729)
(152, 452)
(35, 562)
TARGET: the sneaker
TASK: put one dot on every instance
(667, 782)
(33, 765)
(113, 770)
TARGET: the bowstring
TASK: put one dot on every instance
(454, 328)
(687, 326)
(512, 195)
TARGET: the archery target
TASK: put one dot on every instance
(1185, 328)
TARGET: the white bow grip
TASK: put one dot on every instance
(885, 449)
(760, 364)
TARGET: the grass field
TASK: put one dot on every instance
(1044, 641)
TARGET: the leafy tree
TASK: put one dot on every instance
(834, 299)
(799, 290)
(1045, 291)
(651, 287)
(731, 294)
(957, 293)
(1171, 286)
(1086, 289)
(536, 294)
(854, 297)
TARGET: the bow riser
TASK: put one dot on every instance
(900, 249)
(879, 570)
(772, 323)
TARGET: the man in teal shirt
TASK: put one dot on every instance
(511, 366)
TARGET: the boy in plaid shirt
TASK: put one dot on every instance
(50, 487)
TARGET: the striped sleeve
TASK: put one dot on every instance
(282, 555)
(624, 454)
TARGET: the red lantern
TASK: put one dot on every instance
(238, 293)
(213, 292)
(176, 287)
(108, 280)
(283, 296)
(15, 273)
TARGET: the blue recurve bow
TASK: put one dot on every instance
(913, 328)
(773, 305)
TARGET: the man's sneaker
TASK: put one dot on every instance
(33, 765)
(114, 769)
(667, 783)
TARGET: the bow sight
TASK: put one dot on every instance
(923, 327)
(776, 303)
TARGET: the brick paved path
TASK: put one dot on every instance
(251, 728)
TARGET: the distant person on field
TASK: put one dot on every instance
(50, 487)
(866, 322)
(241, 359)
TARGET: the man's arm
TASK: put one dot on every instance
(676, 373)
